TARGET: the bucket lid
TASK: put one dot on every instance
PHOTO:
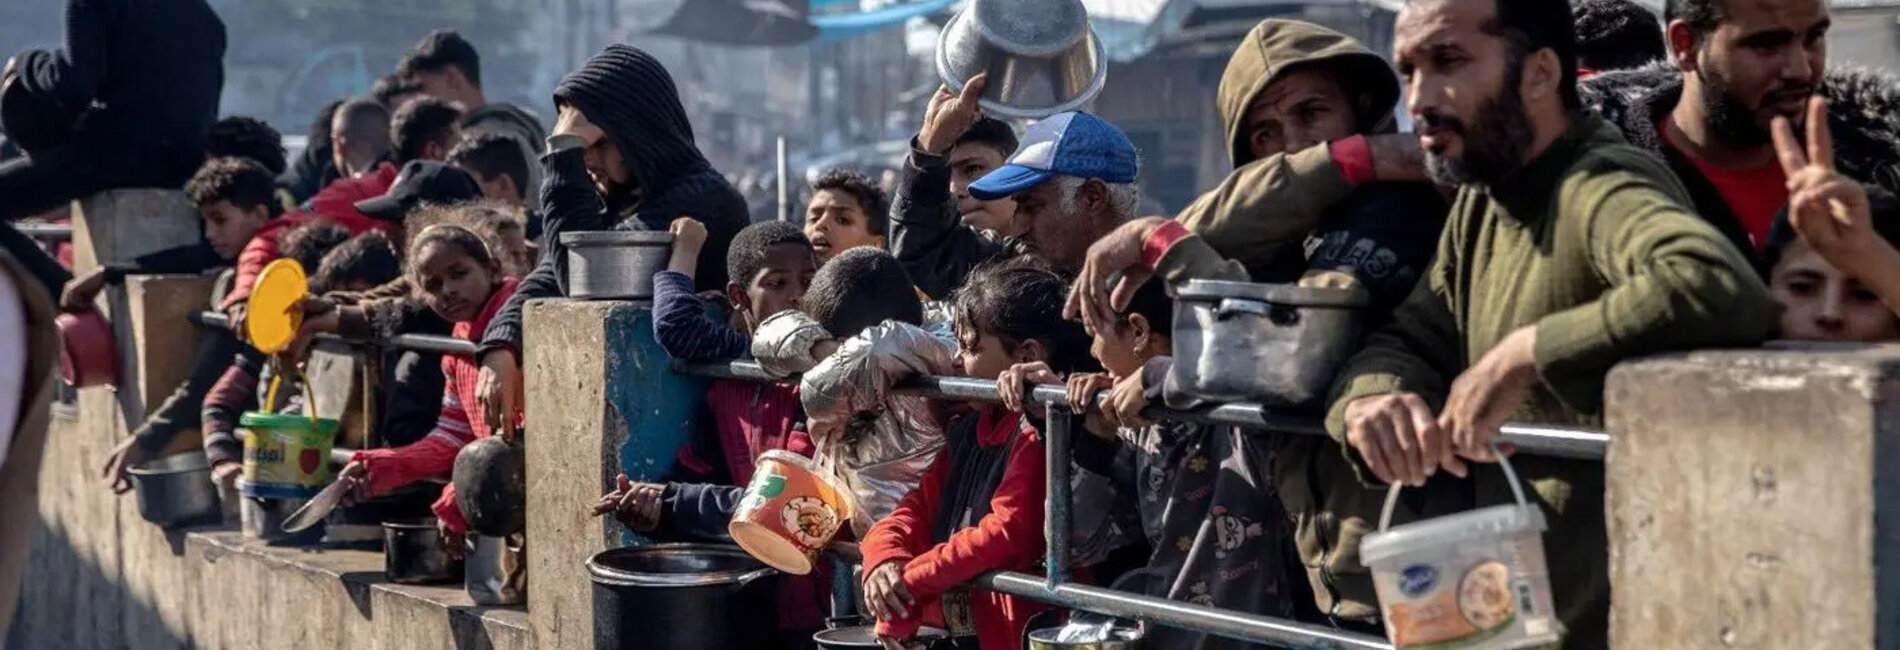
(1495, 522)
(616, 237)
(269, 319)
(674, 565)
(1292, 295)
(288, 421)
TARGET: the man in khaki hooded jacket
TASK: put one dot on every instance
(1324, 192)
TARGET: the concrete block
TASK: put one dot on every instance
(1754, 500)
(156, 341)
(601, 400)
(118, 225)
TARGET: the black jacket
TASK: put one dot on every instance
(928, 236)
(632, 98)
(133, 72)
(1863, 110)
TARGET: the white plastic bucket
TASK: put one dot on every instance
(1470, 581)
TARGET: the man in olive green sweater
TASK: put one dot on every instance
(1567, 251)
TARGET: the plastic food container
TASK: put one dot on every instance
(789, 513)
(1470, 581)
(285, 456)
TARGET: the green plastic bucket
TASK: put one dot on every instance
(285, 456)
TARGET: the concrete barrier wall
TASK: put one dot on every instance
(1753, 500)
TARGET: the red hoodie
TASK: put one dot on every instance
(1009, 538)
(461, 423)
(336, 203)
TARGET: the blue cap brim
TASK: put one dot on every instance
(1007, 180)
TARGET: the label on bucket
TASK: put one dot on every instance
(1476, 597)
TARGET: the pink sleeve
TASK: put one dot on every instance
(433, 455)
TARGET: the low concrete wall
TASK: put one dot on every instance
(101, 577)
(1753, 500)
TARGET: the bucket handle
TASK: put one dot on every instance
(1278, 314)
(1392, 493)
(309, 396)
(755, 574)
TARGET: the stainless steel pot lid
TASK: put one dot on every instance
(1279, 294)
(616, 238)
(675, 565)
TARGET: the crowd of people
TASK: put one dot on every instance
(1582, 186)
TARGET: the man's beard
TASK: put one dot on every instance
(1497, 147)
(1734, 121)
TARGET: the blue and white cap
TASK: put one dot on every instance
(1068, 144)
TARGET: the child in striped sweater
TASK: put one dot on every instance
(459, 278)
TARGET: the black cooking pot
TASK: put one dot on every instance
(413, 554)
(683, 597)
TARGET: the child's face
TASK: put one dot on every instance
(836, 223)
(780, 283)
(1124, 348)
(228, 228)
(1824, 304)
(984, 356)
(452, 283)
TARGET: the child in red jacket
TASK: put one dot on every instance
(456, 275)
(979, 507)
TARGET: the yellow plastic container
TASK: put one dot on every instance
(285, 456)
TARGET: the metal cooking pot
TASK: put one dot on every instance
(1119, 638)
(865, 636)
(496, 570)
(263, 519)
(490, 487)
(709, 596)
(615, 264)
(88, 355)
(1041, 55)
(177, 490)
(1278, 344)
(413, 554)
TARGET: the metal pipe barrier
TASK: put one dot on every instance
(52, 232)
(1055, 588)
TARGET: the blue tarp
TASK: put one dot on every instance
(841, 26)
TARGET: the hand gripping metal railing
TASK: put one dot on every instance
(1061, 428)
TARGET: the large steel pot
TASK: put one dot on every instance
(1041, 55)
(865, 636)
(1278, 344)
(1119, 638)
(615, 264)
(683, 597)
(177, 490)
(496, 570)
(413, 554)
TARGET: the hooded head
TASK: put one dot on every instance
(631, 97)
(1277, 50)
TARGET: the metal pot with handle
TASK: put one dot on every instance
(1278, 344)
(707, 595)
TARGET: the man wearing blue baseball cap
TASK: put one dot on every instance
(1073, 178)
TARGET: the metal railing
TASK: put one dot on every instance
(50, 232)
(1055, 587)
(1062, 426)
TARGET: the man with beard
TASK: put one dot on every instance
(622, 156)
(1567, 251)
(1073, 181)
(1307, 110)
(1737, 64)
